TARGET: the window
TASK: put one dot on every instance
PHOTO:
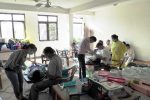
(12, 26)
(48, 28)
(78, 29)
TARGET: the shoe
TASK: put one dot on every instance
(24, 98)
(84, 79)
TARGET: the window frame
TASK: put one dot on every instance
(12, 21)
(47, 26)
(78, 23)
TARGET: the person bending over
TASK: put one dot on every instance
(13, 68)
(84, 48)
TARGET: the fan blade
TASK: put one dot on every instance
(48, 5)
(39, 4)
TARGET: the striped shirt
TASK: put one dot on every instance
(16, 60)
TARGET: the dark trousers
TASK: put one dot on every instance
(39, 86)
(16, 79)
(82, 68)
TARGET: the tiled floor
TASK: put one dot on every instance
(7, 92)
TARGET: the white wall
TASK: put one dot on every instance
(63, 32)
(130, 21)
(31, 20)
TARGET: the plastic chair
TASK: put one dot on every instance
(71, 71)
(63, 54)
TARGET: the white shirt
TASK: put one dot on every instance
(84, 46)
(55, 66)
(130, 53)
(104, 53)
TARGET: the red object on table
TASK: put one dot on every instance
(104, 73)
(118, 80)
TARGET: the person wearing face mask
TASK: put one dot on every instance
(118, 49)
(13, 68)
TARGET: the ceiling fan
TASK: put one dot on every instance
(46, 4)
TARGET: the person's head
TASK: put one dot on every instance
(92, 39)
(124, 42)
(128, 46)
(31, 48)
(99, 45)
(108, 42)
(100, 41)
(114, 37)
(48, 52)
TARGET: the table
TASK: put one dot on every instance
(68, 93)
(100, 89)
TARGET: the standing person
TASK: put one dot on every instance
(129, 55)
(108, 45)
(54, 73)
(118, 49)
(13, 68)
(84, 48)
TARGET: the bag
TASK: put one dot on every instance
(37, 72)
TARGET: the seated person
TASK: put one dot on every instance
(101, 57)
(129, 55)
(54, 74)
(104, 54)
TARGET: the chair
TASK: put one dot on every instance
(63, 54)
(71, 71)
(44, 59)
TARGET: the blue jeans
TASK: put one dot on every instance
(16, 79)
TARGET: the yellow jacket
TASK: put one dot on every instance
(118, 49)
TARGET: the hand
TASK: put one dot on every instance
(33, 62)
(24, 67)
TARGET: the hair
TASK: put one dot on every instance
(27, 46)
(99, 44)
(114, 36)
(100, 41)
(108, 40)
(93, 38)
(128, 45)
(124, 42)
(49, 50)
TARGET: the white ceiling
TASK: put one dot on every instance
(72, 6)
(63, 3)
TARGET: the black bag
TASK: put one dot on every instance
(37, 72)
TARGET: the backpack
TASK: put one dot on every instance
(36, 72)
